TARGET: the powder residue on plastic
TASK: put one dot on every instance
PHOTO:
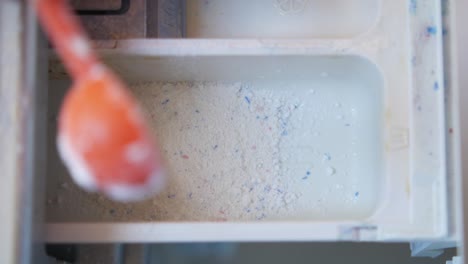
(234, 152)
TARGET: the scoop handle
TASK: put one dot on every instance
(67, 35)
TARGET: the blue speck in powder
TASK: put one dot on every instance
(436, 86)
(165, 102)
(431, 30)
(215, 146)
(261, 217)
(247, 99)
(356, 194)
(284, 133)
(308, 173)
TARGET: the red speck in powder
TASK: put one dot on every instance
(254, 147)
(451, 130)
(185, 157)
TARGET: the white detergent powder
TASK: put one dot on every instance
(242, 151)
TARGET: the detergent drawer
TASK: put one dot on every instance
(328, 137)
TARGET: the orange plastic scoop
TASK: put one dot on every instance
(102, 136)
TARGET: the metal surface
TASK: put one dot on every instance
(114, 25)
(271, 253)
(126, 19)
(33, 108)
(459, 79)
(171, 19)
(22, 133)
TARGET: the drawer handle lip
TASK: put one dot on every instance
(124, 7)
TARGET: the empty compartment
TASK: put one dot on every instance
(279, 18)
(246, 138)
